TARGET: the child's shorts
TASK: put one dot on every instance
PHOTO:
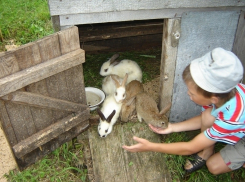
(234, 155)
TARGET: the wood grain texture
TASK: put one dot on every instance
(7, 126)
(41, 71)
(37, 153)
(8, 64)
(112, 163)
(64, 7)
(69, 40)
(37, 100)
(52, 131)
(168, 62)
(28, 55)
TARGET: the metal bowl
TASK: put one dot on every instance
(94, 97)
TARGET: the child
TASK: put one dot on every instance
(212, 82)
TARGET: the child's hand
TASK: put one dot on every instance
(142, 145)
(160, 130)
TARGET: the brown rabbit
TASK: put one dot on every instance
(128, 106)
(147, 110)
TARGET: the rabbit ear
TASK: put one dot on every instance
(101, 115)
(165, 109)
(116, 81)
(125, 79)
(113, 60)
(111, 116)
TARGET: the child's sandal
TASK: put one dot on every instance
(197, 163)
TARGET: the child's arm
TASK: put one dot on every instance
(179, 148)
(188, 125)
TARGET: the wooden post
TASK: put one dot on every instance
(171, 29)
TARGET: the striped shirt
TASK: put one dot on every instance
(229, 125)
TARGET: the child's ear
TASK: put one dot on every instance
(215, 100)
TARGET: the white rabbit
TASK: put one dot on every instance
(108, 84)
(108, 115)
(120, 68)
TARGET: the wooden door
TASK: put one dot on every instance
(42, 95)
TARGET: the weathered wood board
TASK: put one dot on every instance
(58, 7)
(121, 36)
(65, 14)
(200, 32)
(112, 163)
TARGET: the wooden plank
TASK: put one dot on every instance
(198, 36)
(38, 72)
(8, 64)
(49, 47)
(56, 23)
(6, 124)
(58, 84)
(69, 40)
(117, 16)
(104, 31)
(38, 100)
(75, 80)
(65, 7)
(239, 43)
(21, 120)
(168, 61)
(124, 44)
(128, 166)
(27, 55)
(39, 153)
(41, 117)
(43, 136)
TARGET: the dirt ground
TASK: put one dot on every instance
(7, 160)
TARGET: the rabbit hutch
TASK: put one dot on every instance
(49, 88)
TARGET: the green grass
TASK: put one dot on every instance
(23, 21)
(63, 164)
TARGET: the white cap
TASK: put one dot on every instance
(218, 71)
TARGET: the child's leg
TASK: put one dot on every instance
(216, 164)
(231, 157)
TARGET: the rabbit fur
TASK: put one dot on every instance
(109, 106)
(128, 105)
(120, 92)
(146, 109)
(120, 68)
(108, 84)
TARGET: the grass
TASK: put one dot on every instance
(63, 164)
(23, 21)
